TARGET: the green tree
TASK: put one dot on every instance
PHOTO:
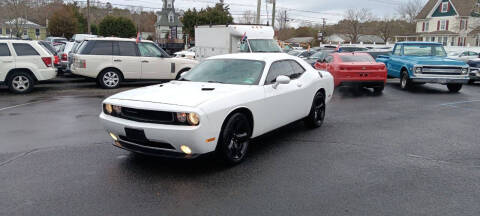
(117, 26)
(217, 15)
(63, 22)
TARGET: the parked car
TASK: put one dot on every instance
(425, 62)
(189, 53)
(64, 56)
(196, 115)
(375, 53)
(53, 40)
(53, 51)
(352, 49)
(295, 52)
(355, 70)
(474, 70)
(82, 37)
(319, 56)
(112, 60)
(463, 56)
(23, 63)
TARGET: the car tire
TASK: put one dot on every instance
(109, 79)
(20, 83)
(454, 88)
(405, 82)
(179, 75)
(317, 112)
(378, 90)
(234, 139)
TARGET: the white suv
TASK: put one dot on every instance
(23, 63)
(111, 60)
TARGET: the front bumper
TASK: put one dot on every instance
(172, 135)
(475, 74)
(440, 79)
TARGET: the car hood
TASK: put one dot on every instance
(437, 61)
(181, 93)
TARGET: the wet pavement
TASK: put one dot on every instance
(399, 153)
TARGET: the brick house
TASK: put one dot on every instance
(451, 22)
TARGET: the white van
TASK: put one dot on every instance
(223, 39)
(112, 60)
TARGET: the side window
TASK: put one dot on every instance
(123, 48)
(297, 69)
(398, 50)
(102, 48)
(329, 59)
(149, 50)
(23, 49)
(473, 54)
(277, 69)
(4, 51)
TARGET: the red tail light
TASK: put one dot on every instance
(56, 61)
(47, 61)
(64, 57)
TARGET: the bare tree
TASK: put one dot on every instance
(16, 15)
(410, 9)
(282, 19)
(248, 17)
(353, 21)
(385, 28)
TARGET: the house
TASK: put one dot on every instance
(365, 39)
(451, 22)
(26, 28)
(168, 25)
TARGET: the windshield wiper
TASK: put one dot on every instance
(214, 82)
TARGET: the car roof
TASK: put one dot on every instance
(350, 53)
(268, 57)
(19, 41)
(419, 43)
(115, 39)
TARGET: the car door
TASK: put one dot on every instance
(281, 102)
(394, 64)
(7, 61)
(155, 65)
(126, 57)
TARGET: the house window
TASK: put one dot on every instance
(170, 18)
(7, 31)
(463, 24)
(1, 30)
(169, 5)
(443, 25)
(444, 7)
(37, 32)
(427, 26)
(25, 31)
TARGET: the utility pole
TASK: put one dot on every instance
(273, 12)
(88, 18)
(259, 5)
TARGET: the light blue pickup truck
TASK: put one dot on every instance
(425, 62)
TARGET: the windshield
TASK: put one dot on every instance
(424, 50)
(357, 58)
(264, 45)
(228, 71)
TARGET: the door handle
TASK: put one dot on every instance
(144, 61)
(117, 60)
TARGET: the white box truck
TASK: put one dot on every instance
(225, 39)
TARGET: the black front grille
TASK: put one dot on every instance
(147, 116)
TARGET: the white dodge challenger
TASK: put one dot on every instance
(218, 106)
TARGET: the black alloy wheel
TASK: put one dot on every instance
(234, 139)
(405, 82)
(454, 88)
(317, 112)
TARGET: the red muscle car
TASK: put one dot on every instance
(355, 69)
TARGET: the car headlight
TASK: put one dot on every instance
(108, 109)
(182, 117)
(193, 119)
(418, 70)
(464, 70)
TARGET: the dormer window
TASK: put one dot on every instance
(444, 7)
(171, 19)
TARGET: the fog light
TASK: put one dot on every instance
(186, 149)
(108, 108)
(114, 137)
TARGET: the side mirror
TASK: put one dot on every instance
(282, 79)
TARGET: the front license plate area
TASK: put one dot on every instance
(136, 135)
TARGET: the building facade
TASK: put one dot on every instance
(29, 30)
(168, 25)
(451, 22)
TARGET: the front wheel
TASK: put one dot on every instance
(317, 112)
(454, 88)
(21, 83)
(405, 82)
(234, 139)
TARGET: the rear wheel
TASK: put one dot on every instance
(20, 83)
(405, 82)
(234, 139)
(109, 79)
(317, 112)
(454, 88)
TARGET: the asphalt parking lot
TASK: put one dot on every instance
(400, 153)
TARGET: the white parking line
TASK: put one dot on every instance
(460, 102)
(19, 105)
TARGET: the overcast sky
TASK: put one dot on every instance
(299, 10)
